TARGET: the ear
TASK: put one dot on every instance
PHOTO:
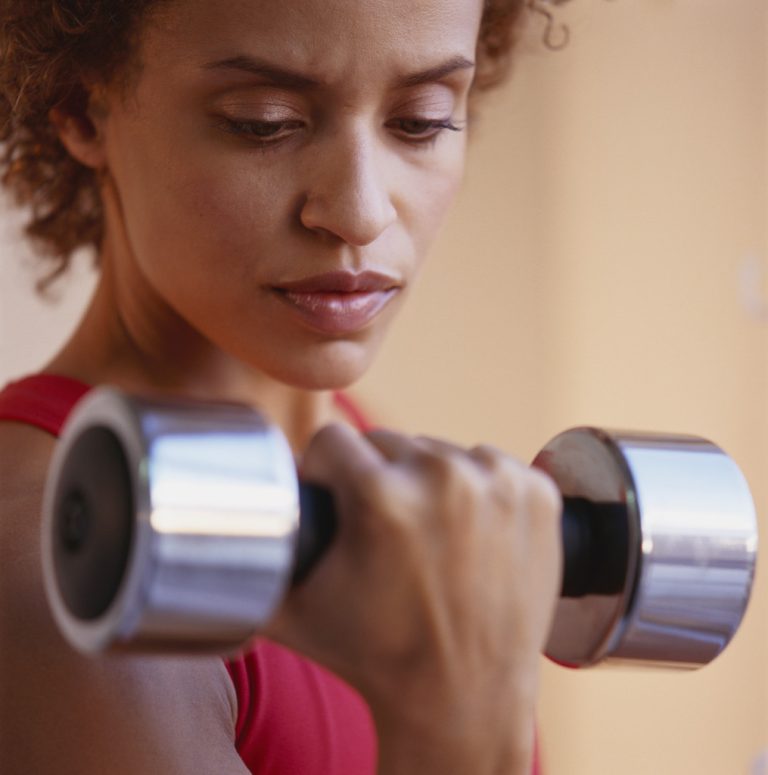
(78, 120)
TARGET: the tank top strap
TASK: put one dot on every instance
(353, 412)
(45, 401)
(42, 400)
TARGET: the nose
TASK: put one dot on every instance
(348, 195)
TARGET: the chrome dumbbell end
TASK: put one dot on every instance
(167, 526)
(677, 515)
(89, 555)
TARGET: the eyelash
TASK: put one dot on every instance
(433, 127)
(253, 132)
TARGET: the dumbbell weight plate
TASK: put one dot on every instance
(167, 525)
(691, 548)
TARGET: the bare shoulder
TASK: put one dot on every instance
(24, 456)
(64, 713)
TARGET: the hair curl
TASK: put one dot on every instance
(46, 49)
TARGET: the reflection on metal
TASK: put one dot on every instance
(215, 514)
(692, 548)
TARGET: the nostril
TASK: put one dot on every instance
(349, 198)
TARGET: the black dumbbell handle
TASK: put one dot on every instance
(595, 541)
(317, 527)
(595, 547)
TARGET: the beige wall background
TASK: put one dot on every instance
(592, 274)
(604, 265)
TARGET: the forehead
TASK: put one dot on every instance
(336, 40)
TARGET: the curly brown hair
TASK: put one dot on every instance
(46, 48)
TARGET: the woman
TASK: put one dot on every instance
(261, 181)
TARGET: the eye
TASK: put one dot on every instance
(422, 130)
(261, 132)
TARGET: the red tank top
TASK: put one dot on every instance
(294, 717)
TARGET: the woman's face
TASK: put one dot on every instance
(282, 167)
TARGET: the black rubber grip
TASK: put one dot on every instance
(317, 527)
(595, 548)
(595, 541)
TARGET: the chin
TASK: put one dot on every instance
(333, 366)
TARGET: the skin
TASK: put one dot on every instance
(347, 189)
(203, 221)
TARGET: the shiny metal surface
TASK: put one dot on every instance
(216, 503)
(207, 518)
(693, 544)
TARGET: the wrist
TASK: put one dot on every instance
(429, 746)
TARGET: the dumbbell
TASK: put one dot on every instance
(179, 525)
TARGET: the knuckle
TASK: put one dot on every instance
(330, 433)
(380, 437)
(373, 488)
(431, 463)
(384, 500)
(391, 445)
(503, 465)
(321, 440)
(544, 496)
(489, 456)
(435, 467)
(524, 493)
(508, 477)
(455, 481)
(545, 527)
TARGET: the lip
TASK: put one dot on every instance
(338, 303)
(341, 282)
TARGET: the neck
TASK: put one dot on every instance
(132, 340)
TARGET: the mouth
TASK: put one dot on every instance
(339, 303)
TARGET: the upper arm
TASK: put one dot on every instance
(61, 712)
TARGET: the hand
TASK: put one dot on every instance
(436, 598)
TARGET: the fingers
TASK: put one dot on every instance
(445, 565)
(340, 451)
(347, 462)
(337, 452)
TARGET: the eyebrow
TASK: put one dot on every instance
(292, 79)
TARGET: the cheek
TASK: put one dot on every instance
(202, 204)
(430, 200)
(188, 217)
